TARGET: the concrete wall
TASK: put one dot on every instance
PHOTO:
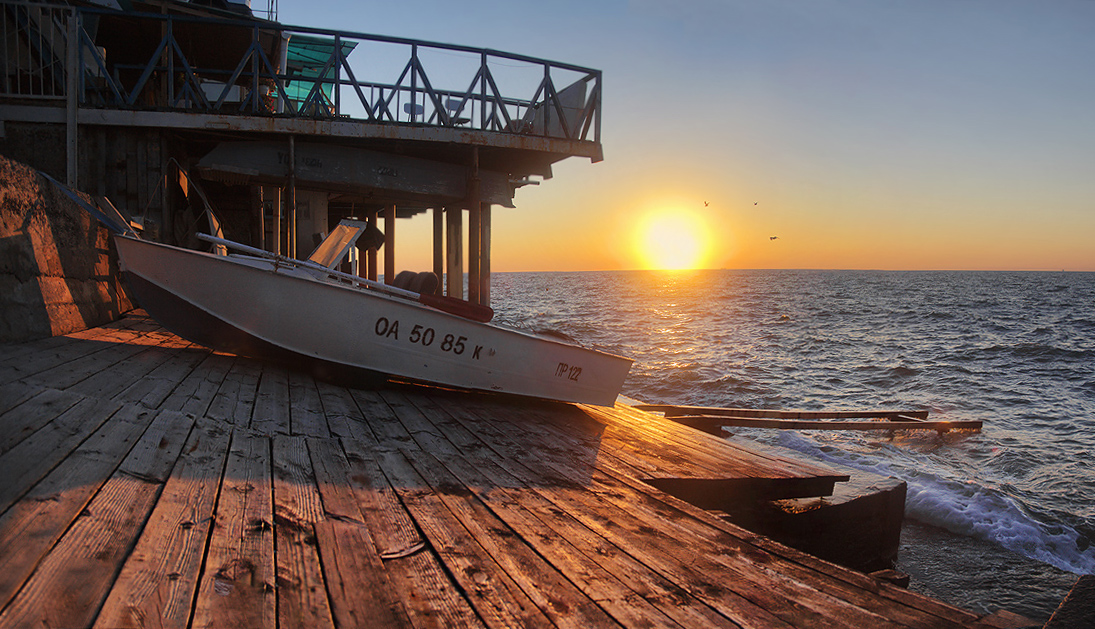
(58, 267)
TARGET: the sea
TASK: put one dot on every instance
(1003, 518)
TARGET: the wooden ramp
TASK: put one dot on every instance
(151, 482)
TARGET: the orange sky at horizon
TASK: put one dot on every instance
(906, 135)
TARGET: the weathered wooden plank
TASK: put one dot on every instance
(499, 601)
(559, 599)
(31, 526)
(44, 354)
(423, 584)
(195, 393)
(626, 588)
(32, 458)
(235, 399)
(360, 591)
(381, 419)
(157, 582)
(72, 372)
(305, 407)
(344, 419)
(134, 369)
(271, 413)
(14, 394)
(23, 420)
(153, 389)
(301, 592)
(71, 581)
(238, 583)
(357, 583)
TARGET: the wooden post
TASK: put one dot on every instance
(473, 228)
(389, 244)
(484, 254)
(439, 248)
(455, 252)
(277, 221)
(292, 251)
(474, 232)
(370, 256)
(262, 219)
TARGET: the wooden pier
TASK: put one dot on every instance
(151, 482)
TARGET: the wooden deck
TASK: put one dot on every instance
(150, 482)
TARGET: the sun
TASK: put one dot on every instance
(672, 240)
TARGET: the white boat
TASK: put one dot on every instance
(304, 311)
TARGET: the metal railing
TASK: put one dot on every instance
(261, 68)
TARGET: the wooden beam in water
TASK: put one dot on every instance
(672, 411)
(711, 423)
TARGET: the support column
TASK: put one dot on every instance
(292, 199)
(262, 218)
(389, 244)
(484, 255)
(455, 251)
(277, 221)
(370, 256)
(474, 233)
(473, 202)
(439, 247)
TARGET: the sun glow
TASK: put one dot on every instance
(672, 240)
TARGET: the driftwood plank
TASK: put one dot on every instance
(70, 583)
(302, 594)
(157, 582)
(499, 601)
(25, 419)
(235, 399)
(32, 458)
(237, 584)
(305, 407)
(357, 582)
(271, 413)
(195, 393)
(31, 526)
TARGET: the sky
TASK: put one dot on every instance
(897, 134)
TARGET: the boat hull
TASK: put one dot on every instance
(267, 310)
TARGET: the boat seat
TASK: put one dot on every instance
(425, 282)
(334, 247)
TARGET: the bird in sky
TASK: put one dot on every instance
(754, 202)
(705, 204)
(773, 237)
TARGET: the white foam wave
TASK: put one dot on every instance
(964, 507)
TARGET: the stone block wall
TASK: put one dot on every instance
(58, 268)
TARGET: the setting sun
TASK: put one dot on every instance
(672, 240)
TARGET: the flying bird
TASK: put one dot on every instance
(772, 237)
(754, 202)
(705, 204)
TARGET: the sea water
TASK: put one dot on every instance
(1003, 518)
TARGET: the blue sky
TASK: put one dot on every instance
(893, 134)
